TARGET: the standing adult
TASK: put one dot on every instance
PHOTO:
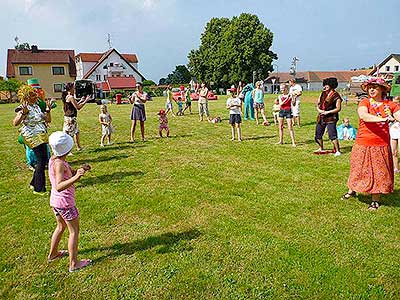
(34, 132)
(258, 96)
(248, 112)
(203, 102)
(295, 91)
(71, 107)
(328, 106)
(138, 98)
(371, 162)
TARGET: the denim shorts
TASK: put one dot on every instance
(285, 113)
(68, 214)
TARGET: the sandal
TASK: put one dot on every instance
(348, 195)
(60, 254)
(373, 206)
(82, 264)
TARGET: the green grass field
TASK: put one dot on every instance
(197, 216)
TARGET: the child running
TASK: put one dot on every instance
(285, 102)
(107, 129)
(163, 123)
(62, 200)
(233, 104)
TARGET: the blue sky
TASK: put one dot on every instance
(325, 35)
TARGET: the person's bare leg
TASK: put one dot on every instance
(142, 129)
(336, 145)
(73, 228)
(395, 153)
(280, 124)
(291, 131)
(103, 137)
(133, 128)
(256, 116)
(56, 237)
(233, 131)
(239, 132)
(78, 142)
(264, 116)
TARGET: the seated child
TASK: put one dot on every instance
(275, 111)
(216, 120)
(346, 131)
(163, 123)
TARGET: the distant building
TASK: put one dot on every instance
(110, 70)
(311, 80)
(53, 68)
(388, 66)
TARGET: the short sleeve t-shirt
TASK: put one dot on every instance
(372, 133)
(236, 109)
(294, 89)
(136, 98)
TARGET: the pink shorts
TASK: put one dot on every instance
(68, 214)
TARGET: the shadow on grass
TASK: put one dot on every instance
(167, 241)
(119, 146)
(392, 199)
(179, 136)
(253, 138)
(99, 159)
(107, 178)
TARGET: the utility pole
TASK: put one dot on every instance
(293, 68)
(109, 40)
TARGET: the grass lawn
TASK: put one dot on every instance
(197, 216)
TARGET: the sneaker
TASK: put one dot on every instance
(337, 153)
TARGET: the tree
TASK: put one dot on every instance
(11, 87)
(162, 81)
(231, 50)
(148, 82)
(23, 46)
(180, 75)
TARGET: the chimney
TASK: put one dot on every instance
(34, 49)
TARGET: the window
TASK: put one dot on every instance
(387, 68)
(396, 68)
(111, 64)
(105, 67)
(25, 70)
(98, 77)
(105, 77)
(58, 70)
(58, 87)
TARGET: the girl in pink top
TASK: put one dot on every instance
(62, 200)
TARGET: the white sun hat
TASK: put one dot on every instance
(60, 143)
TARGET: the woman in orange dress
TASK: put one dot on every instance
(371, 166)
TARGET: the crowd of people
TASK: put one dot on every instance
(373, 162)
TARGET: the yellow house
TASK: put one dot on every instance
(53, 68)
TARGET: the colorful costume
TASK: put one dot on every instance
(248, 102)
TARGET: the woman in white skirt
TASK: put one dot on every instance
(394, 140)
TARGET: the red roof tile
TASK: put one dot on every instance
(104, 86)
(121, 82)
(95, 57)
(40, 57)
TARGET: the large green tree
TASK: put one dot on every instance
(180, 75)
(231, 50)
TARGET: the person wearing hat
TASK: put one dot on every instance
(233, 104)
(62, 200)
(328, 106)
(138, 98)
(34, 132)
(371, 162)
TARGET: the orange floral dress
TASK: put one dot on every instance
(371, 162)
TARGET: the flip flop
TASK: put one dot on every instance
(60, 254)
(82, 264)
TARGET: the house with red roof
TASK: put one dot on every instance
(53, 68)
(110, 70)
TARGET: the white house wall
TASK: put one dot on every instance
(392, 63)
